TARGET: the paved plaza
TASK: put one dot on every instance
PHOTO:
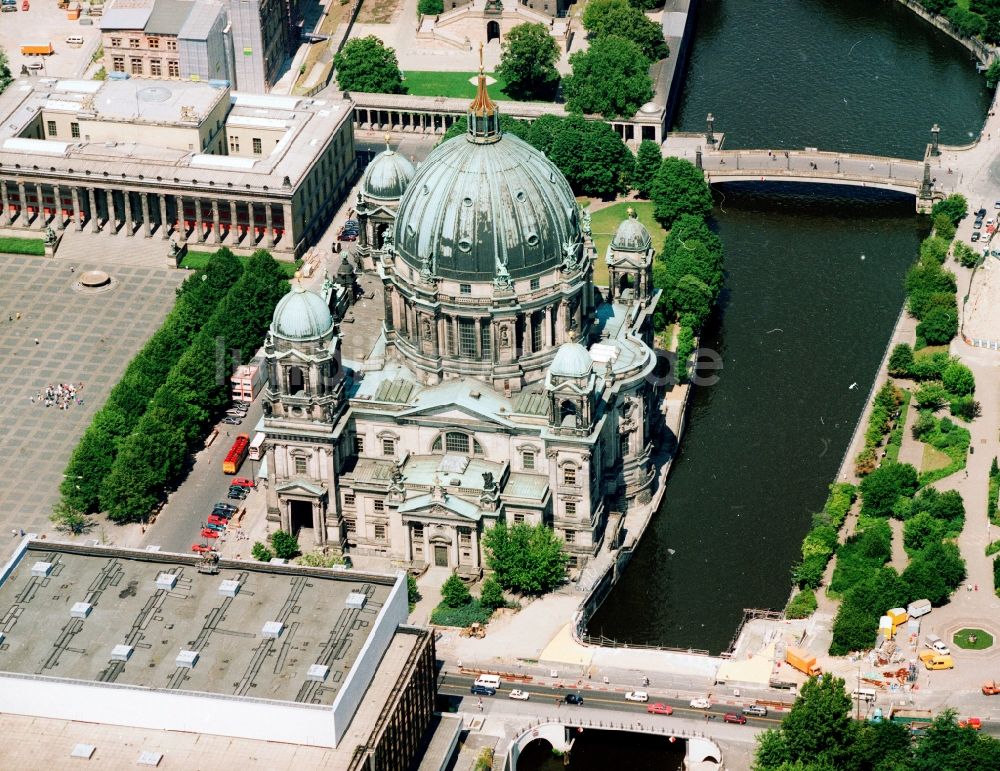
(81, 338)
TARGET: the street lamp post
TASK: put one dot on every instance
(935, 136)
(710, 134)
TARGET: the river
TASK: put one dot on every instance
(813, 288)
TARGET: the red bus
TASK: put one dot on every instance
(236, 455)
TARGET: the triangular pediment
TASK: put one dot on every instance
(454, 414)
(300, 487)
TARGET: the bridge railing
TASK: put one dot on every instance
(612, 725)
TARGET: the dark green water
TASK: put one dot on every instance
(803, 315)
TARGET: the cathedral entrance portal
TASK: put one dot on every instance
(492, 31)
(440, 556)
(300, 515)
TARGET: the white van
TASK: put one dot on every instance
(74, 40)
(488, 681)
(864, 694)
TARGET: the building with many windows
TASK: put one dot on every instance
(501, 385)
(175, 160)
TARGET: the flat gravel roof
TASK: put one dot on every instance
(222, 623)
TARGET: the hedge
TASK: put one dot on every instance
(12, 245)
(820, 542)
(802, 605)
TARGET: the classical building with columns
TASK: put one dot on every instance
(174, 160)
(502, 386)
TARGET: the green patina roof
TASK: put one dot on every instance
(530, 403)
(396, 391)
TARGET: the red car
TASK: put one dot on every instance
(214, 520)
(207, 532)
(25, 6)
(975, 723)
(732, 717)
(660, 709)
(243, 482)
(201, 548)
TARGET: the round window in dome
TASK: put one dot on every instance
(520, 196)
(465, 245)
(466, 201)
(532, 239)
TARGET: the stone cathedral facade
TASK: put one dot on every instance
(503, 386)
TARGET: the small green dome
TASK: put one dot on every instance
(387, 176)
(571, 360)
(301, 315)
(631, 235)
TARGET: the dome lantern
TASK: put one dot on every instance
(484, 115)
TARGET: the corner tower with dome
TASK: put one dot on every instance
(503, 385)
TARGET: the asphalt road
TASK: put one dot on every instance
(178, 525)
(454, 686)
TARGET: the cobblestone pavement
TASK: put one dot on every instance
(62, 336)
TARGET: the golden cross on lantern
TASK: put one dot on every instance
(480, 57)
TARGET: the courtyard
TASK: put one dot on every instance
(52, 333)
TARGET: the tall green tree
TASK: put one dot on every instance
(618, 18)
(285, 545)
(527, 62)
(678, 188)
(367, 65)
(5, 77)
(954, 206)
(525, 558)
(958, 379)
(647, 163)
(592, 157)
(611, 78)
(882, 488)
(430, 7)
(818, 730)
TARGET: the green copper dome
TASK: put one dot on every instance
(301, 315)
(631, 235)
(572, 360)
(387, 175)
(485, 201)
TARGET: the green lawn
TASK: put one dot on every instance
(604, 223)
(23, 246)
(983, 639)
(456, 84)
(196, 260)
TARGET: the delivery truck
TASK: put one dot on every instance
(917, 720)
(803, 661)
(933, 660)
(37, 49)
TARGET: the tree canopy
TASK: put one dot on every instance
(618, 18)
(527, 62)
(430, 7)
(592, 156)
(647, 163)
(366, 64)
(678, 188)
(525, 558)
(610, 78)
(882, 488)
(5, 77)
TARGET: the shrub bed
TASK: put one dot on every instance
(802, 605)
(868, 549)
(464, 615)
(954, 442)
(820, 542)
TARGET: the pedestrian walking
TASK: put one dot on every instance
(36, 341)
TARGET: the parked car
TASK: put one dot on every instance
(35, 65)
(660, 709)
(223, 516)
(342, 236)
(975, 723)
(207, 532)
(482, 690)
(639, 696)
(215, 526)
(237, 493)
(975, 236)
(225, 507)
(732, 717)
(996, 205)
(700, 703)
(574, 698)
(755, 710)
(236, 412)
(201, 548)
(980, 212)
(229, 420)
(243, 482)
(215, 519)
(519, 695)
(25, 5)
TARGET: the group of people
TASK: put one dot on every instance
(61, 396)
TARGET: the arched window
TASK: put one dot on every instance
(567, 413)
(458, 443)
(296, 380)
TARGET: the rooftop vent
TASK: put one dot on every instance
(121, 652)
(455, 482)
(41, 569)
(229, 588)
(356, 600)
(272, 630)
(187, 659)
(80, 610)
(166, 581)
(84, 751)
(475, 394)
(317, 672)
(149, 758)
